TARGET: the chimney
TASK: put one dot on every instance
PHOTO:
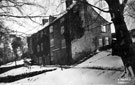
(51, 18)
(68, 3)
(44, 21)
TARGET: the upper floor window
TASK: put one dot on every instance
(51, 29)
(62, 29)
(45, 31)
(62, 20)
(38, 48)
(42, 47)
(103, 28)
(41, 34)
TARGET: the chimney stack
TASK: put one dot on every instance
(44, 21)
(68, 3)
(51, 18)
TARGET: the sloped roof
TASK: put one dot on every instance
(91, 12)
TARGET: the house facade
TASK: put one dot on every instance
(79, 31)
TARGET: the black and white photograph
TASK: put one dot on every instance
(67, 42)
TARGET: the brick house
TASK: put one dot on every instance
(79, 31)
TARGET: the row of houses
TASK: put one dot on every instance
(76, 33)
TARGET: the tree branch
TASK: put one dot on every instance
(95, 7)
(25, 3)
(34, 21)
(16, 16)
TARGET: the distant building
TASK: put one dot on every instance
(75, 34)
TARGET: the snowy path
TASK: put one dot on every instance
(81, 74)
(103, 59)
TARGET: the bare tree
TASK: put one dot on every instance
(17, 43)
(124, 43)
(18, 11)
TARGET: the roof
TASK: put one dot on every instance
(66, 11)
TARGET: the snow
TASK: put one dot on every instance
(19, 62)
(103, 59)
(78, 75)
(22, 70)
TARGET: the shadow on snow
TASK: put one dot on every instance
(9, 79)
(5, 69)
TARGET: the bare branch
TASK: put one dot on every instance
(17, 16)
(123, 5)
(25, 3)
(34, 21)
(95, 7)
(130, 9)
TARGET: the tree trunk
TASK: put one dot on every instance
(16, 55)
(124, 42)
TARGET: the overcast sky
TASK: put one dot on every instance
(51, 7)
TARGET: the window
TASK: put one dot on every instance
(62, 29)
(62, 20)
(51, 29)
(52, 42)
(106, 41)
(103, 28)
(63, 42)
(42, 47)
(100, 42)
(41, 34)
(38, 48)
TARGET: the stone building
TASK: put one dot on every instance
(71, 36)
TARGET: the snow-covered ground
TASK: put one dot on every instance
(12, 64)
(80, 74)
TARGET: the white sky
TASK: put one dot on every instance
(51, 8)
(26, 25)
